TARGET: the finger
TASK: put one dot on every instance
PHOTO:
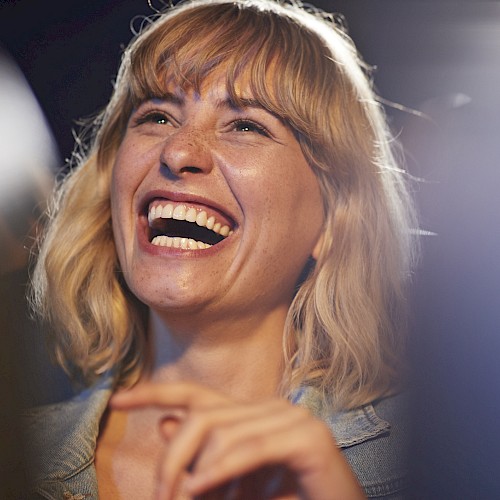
(270, 419)
(222, 440)
(309, 451)
(169, 425)
(162, 395)
(189, 440)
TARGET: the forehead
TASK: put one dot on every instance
(186, 52)
(267, 57)
(225, 93)
(217, 87)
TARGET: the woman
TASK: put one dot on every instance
(234, 245)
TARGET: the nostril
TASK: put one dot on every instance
(191, 170)
(173, 173)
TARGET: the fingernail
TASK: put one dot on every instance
(162, 491)
(194, 483)
(184, 488)
(119, 397)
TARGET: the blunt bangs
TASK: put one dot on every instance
(262, 46)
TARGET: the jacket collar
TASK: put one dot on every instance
(349, 427)
(63, 438)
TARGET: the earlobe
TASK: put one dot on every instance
(318, 246)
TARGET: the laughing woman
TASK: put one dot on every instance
(225, 271)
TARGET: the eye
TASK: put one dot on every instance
(154, 117)
(250, 126)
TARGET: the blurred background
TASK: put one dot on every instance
(441, 58)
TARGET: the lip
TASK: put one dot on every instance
(201, 202)
(155, 250)
(189, 199)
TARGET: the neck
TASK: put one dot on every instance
(242, 359)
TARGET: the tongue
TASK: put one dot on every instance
(184, 229)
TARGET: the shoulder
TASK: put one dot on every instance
(374, 439)
(62, 439)
(58, 424)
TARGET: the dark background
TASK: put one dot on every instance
(440, 57)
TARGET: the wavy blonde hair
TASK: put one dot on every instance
(343, 332)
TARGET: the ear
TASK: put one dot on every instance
(318, 246)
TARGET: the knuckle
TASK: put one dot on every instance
(321, 433)
(302, 413)
(217, 443)
(194, 421)
(217, 438)
(279, 405)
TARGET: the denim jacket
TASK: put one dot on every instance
(63, 437)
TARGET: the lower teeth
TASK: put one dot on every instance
(178, 242)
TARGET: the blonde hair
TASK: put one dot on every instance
(343, 332)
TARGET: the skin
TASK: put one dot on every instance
(194, 147)
(220, 441)
(207, 413)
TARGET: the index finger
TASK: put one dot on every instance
(183, 395)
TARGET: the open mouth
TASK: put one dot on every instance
(178, 225)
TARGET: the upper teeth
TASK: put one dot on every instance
(190, 214)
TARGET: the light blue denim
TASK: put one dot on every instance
(63, 437)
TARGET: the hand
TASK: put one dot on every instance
(273, 447)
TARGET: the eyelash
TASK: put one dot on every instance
(243, 122)
(159, 116)
(152, 117)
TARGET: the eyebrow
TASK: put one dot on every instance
(228, 103)
(168, 97)
(244, 102)
(248, 102)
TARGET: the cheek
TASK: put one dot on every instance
(123, 186)
(116, 218)
(278, 187)
(128, 171)
(133, 160)
(118, 192)
(123, 171)
(299, 212)
(296, 194)
(285, 212)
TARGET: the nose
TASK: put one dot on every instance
(186, 151)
